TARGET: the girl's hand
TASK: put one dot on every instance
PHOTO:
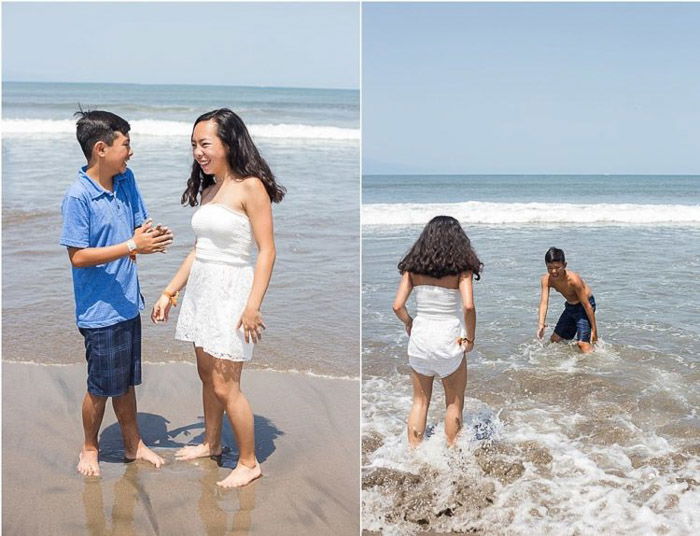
(252, 323)
(161, 309)
(466, 345)
(408, 326)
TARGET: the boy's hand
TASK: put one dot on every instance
(594, 336)
(540, 331)
(161, 309)
(159, 229)
(150, 241)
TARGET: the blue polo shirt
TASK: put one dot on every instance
(94, 217)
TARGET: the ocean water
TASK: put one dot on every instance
(310, 138)
(554, 442)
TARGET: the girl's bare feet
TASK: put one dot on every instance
(191, 452)
(241, 476)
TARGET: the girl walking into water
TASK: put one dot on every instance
(439, 267)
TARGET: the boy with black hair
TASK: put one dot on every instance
(105, 226)
(578, 318)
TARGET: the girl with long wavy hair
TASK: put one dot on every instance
(440, 268)
(220, 313)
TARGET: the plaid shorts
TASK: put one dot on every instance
(113, 355)
(574, 322)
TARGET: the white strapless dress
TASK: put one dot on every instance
(433, 349)
(219, 284)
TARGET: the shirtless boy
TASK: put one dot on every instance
(578, 318)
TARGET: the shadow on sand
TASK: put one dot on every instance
(155, 434)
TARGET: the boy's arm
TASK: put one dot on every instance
(544, 303)
(145, 240)
(399, 306)
(590, 313)
(466, 291)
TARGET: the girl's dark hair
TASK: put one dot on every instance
(443, 248)
(243, 157)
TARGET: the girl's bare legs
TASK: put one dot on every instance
(455, 384)
(422, 391)
(213, 412)
(226, 377)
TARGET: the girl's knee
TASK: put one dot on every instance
(421, 403)
(225, 391)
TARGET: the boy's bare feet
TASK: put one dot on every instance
(88, 463)
(147, 455)
(241, 476)
(191, 452)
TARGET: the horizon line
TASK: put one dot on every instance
(531, 174)
(179, 84)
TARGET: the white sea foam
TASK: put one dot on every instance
(477, 212)
(152, 127)
(585, 487)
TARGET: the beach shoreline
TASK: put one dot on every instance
(306, 440)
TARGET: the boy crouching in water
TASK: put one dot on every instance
(578, 318)
(104, 227)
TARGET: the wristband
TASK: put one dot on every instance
(131, 245)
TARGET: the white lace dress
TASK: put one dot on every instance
(219, 284)
(433, 348)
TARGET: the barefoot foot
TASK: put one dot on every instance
(191, 452)
(241, 476)
(88, 464)
(147, 455)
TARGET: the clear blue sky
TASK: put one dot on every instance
(531, 88)
(263, 44)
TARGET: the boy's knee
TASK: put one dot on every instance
(96, 401)
(585, 347)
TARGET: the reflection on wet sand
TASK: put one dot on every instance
(127, 491)
(221, 512)
(216, 505)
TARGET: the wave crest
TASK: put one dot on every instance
(153, 127)
(477, 212)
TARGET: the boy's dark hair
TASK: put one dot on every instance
(98, 125)
(443, 248)
(243, 157)
(554, 255)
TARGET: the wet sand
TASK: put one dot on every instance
(306, 437)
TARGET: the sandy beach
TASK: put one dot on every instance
(306, 437)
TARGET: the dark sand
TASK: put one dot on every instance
(307, 437)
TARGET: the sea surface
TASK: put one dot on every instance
(555, 442)
(310, 138)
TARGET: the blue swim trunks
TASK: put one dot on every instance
(574, 322)
(113, 355)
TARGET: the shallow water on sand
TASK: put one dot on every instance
(311, 308)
